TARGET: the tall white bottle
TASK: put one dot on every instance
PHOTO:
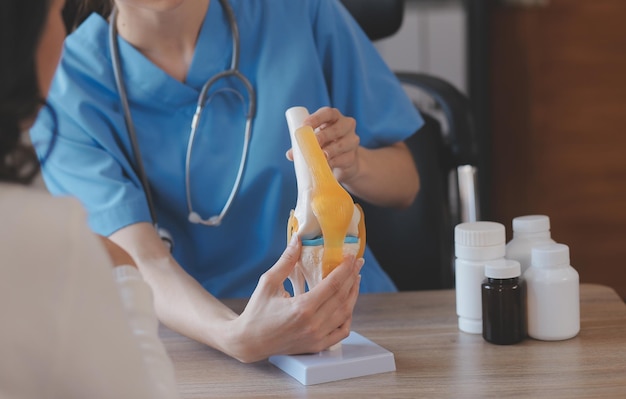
(475, 243)
(552, 294)
(528, 232)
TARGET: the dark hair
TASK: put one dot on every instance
(76, 11)
(21, 26)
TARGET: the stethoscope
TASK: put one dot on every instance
(233, 72)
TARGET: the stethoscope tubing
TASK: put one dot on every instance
(234, 72)
(194, 217)
(130, 126)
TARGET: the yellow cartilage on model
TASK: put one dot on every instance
(331, 204)
(292, 226)
(362, 236)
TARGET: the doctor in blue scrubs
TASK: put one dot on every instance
(130, 83)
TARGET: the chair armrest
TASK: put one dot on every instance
(462, 138)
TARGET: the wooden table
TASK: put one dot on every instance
(433, 358)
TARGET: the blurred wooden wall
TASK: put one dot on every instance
(558, 125)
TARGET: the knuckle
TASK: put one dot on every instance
(265, 278)
(351, 122)
(356, 140)
(345, 329)
(303, 314)
(335, 284)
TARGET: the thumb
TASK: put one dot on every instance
(287, 261)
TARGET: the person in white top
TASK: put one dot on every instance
(73, 326)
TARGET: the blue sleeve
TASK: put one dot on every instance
(86, 161)
(362, 84)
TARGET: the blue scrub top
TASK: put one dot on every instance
(307, 53)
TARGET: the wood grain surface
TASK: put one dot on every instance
(433, 358)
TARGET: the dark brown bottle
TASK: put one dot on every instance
(502, 303)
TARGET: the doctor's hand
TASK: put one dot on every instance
(337, 136)
(274, 322)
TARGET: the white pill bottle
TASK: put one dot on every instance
(552, 294)
(475, 243)
(528, 231)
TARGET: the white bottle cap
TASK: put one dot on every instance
(550, 255)
(531, 224)
(295, 116)
(502, 268)
(479, 240)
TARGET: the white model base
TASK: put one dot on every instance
(355, 356)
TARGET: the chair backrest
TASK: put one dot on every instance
(378, 18)
(416, 245)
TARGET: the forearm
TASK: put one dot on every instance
(386, 176)
(181, 303)
(273, 322)
(185, 306)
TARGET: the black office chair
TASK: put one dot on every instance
(416, 245)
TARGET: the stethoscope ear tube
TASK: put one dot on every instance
(166, 237)
(194, 217)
